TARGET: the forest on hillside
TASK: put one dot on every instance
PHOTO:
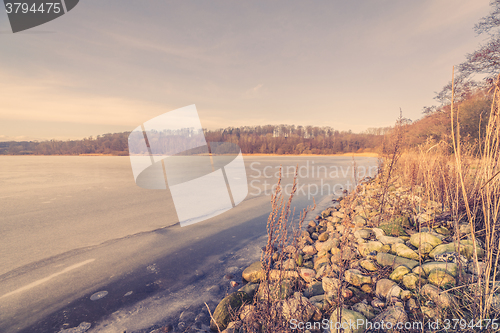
(269, 139)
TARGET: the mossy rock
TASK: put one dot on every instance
(277, 291)
(393, 228)
(230, 304)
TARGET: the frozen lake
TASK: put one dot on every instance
(71, 225)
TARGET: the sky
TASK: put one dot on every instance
(109, 66)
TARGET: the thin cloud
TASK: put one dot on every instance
(253, 92)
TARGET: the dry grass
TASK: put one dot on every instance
(282, 247)
(465, 180)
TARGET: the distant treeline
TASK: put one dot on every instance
(269, 139)
(434, 126)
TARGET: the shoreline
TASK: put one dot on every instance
(245, 155)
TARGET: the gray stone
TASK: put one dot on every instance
(472, 268)
(83, 327)
(393, 315)
(404, 251)
(369, 247)
(356, 278)
(363, 233)
(390, 240)
(289, 264)
(386, 259)
(359, 221)
(398, 273)
(440, 298)
(365, 309)
(441, 278)
(297, 307)
(349, 320)
(222, 314)
(368, 265)
(307, 274)
(308, 249)
(466, 249)
(253, 273)
(328, 245)
(331, 285)
(378, 232)
(411, 281)
(387, 288)
(429, 313)
(314, 289)
(450, 267)
(424, 241)
(321, 262)
(250, 289)
(276, 291)
(323, 237)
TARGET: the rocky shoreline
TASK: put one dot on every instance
(351, 266)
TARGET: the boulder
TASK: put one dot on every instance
(276, 274)
(393, 228)
(346, 253)
(314, 289)
(356, 278)
(398, 273)
(274, 291)
(328, 245)
(298, 307)
(321, 262)
(390, 240)
(429, 313)
(424, 241)
(391, 317)
(466, 249)
(253, 273)
(350, 321)
(331, 285)
(307, 274)
(386, 259)
(387, 288)
(289, 264)
(369, 247)
(323, 237)
(378, 232)
(250, 289)
(363, 233)
(404, 251)
(230, 303)
(318, 301)
(368, 265)
(365, 309)
(411, 281)
(449, 267)
(472, 268)
(359, 221)
(308, 249)
(440, 298)
(441, 278)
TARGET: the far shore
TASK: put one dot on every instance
(343, 154)
(274, 155)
